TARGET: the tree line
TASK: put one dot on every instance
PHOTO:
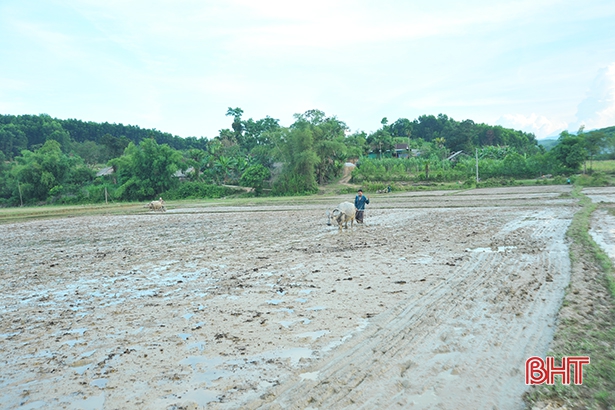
(47, 160)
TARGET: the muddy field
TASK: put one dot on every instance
(435, 302)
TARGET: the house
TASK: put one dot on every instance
(401, 151)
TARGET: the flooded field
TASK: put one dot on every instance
(268, 307)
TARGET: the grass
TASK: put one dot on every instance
(22, 214)
(606, 166)
(593, 338)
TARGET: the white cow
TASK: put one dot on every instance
(157, 205)
(341, 214)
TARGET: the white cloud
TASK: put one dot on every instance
(597, 110)
(540, 125)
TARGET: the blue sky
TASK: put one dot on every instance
(540, 65)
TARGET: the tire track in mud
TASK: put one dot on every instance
(461, 343)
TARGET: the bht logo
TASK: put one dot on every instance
(537, 371)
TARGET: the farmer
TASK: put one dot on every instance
(359, 202)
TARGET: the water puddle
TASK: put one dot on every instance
(91, 403)
(73, 342)
(81, 369)
(309, 376)
(100, 383)
(88, 354)
(197, 345)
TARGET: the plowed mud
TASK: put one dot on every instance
(435, 302)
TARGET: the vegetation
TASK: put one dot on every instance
(44, 160)
(592, 336)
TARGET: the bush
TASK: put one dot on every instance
(597, 179)
(496, 182)
(198, 190)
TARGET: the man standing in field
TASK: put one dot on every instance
(359, 202)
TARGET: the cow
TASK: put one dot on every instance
(341, 214)
(157, 205)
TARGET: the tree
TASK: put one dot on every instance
(593, 143)
(356, 144)
(328, 142)
(380, 141)
(254, 176)
(295, 147)
(12, 140)
(402, 128)
(237, 125)
(195, 159)
(115, 145)
(569, 151)
(147, 170)
(42, 172)
(91, 152)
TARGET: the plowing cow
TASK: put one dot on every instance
(341, 214)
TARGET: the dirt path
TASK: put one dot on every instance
(435, 302)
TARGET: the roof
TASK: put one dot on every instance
(105, 171)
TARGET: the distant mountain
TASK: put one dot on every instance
(548, 143)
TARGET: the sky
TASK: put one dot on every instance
(541, 66)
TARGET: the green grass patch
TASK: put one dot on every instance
(606, 166)
(594, 337)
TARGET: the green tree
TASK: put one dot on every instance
(328, 142)
(115, 145)
(41, 173)
(195, 159)
(356, 144)
(296, 150)
(237, 124)
(380, 141)
(12, 140)
(569, 151)
(593, 143)
(91, 152)
(255, 176)
(147, 170)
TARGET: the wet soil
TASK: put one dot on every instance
(435, 302)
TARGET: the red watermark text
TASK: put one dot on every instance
(538, 371)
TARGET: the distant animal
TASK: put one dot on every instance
(157, 205)
(341, 214)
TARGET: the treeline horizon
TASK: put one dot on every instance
(49, 160)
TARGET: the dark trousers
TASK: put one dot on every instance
(359, 216)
